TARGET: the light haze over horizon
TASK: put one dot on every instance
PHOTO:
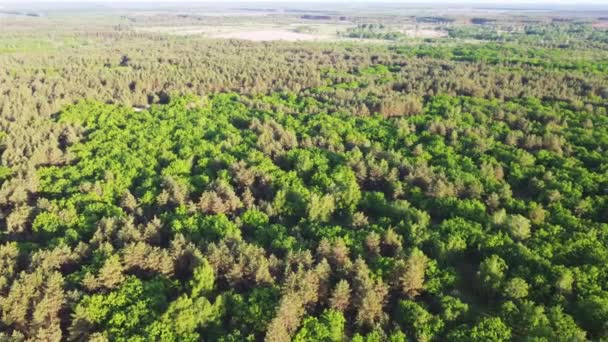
(405, 2)
(526, 5)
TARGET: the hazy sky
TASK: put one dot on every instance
(500, 2)
(507, 3)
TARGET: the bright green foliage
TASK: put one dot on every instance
(182, 319)
(488, 329)
(397, 336)
(202, 280)
(453, 308)
(416, 321)
(320, 208)
(5, 173)
(516, 288)
(328, 328)
(122, 314)
(492, 274)
(519, 227)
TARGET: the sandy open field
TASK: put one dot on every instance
(601, 24)
(270, 35)
(258, 33)
(289, 32)
(425, 33)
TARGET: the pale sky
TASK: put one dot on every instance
(464, 2)
(506, 3)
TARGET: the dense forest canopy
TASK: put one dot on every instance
(376, 187)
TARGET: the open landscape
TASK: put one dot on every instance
(303, 171)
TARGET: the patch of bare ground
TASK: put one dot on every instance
(425, 33)
(269, 35)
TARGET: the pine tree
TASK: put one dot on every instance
(340, 298)
(128, 201)
(411, 278)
